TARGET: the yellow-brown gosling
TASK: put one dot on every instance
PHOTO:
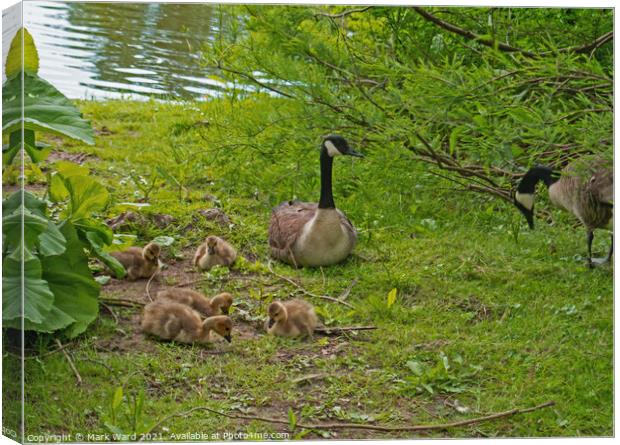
(218, 305)
(291, 318)
(181, 323)
(214, 252)
(139, 262)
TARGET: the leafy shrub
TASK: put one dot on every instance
(58, 289)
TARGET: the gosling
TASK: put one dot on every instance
(214, 252)
(174, 321)
(139, 262)
(218, 305)
(292, 318)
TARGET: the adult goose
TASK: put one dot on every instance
(585, 188)
(307, 234)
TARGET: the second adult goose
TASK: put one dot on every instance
(310, 234)
(585, 189)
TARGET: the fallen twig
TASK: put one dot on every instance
(338, 331)
(121, 302)
(148, 283)
(305, 291)
(345, 294)
(341, 426)
(109, 309)
(71, 364)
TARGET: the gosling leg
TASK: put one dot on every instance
(590, 238)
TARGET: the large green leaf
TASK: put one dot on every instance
(14, 58)
(97, 249)
(69, 278)
(38, 232)
(45, 109)
(86, 195)
(38, 298)
(31, 202)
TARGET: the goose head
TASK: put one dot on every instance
(220, 324)
(525, 203)
(222, 301)
(277, 312)
(151, 252)
(211, 244)
(335, 145)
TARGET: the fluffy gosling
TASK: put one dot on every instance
(218, 305)
(291, 318)
(214, 252)
(181, 323)
(139, 262)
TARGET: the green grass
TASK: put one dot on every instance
(489, 315)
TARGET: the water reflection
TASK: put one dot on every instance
(104, 50)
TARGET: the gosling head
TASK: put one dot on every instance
(277, 312)
(211, 244)
(335, 145)
(220, 324)
(151, 252)
(223, 301)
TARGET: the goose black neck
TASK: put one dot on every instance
(533, 176)
(327, 198)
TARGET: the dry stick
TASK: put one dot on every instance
(148, 283)
(345, 294)
(338, 330)
(336, 426)
(298, 286)
(121, 302)
(109, 309)
(71, 364)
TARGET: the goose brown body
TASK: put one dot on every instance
(301, 234)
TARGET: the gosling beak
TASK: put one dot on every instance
(211, 251)
(356, 154)
(225, 311)
(228, 338)
(271, 322)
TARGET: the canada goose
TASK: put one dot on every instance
(139, 262)
(585, 189)
(214, 252)
(220, 304)
(291, 318)
(174, 321)
(310, 234)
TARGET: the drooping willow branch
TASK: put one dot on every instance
(508, 48)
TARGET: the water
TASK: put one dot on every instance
(130, 50)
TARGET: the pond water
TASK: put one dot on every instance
(130, 50)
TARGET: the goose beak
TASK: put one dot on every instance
(228, 338)
(529, 214)
(271, 322)
(356, 154)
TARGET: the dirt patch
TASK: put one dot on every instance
(78, 158)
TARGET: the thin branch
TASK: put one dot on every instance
(507, 48)
(342, 14)
(148, 284)
(339, 330)
(71, 364)
(305, 291)
(341, 426)
(470, 35)
(121, 302)
(345, 294)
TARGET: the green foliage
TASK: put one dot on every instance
(22, 54)
(126, 421)
(392, 78)
(58, 289)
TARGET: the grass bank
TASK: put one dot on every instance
(488, 316)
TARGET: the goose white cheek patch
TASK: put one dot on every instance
(526, 200)
(331, 149)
